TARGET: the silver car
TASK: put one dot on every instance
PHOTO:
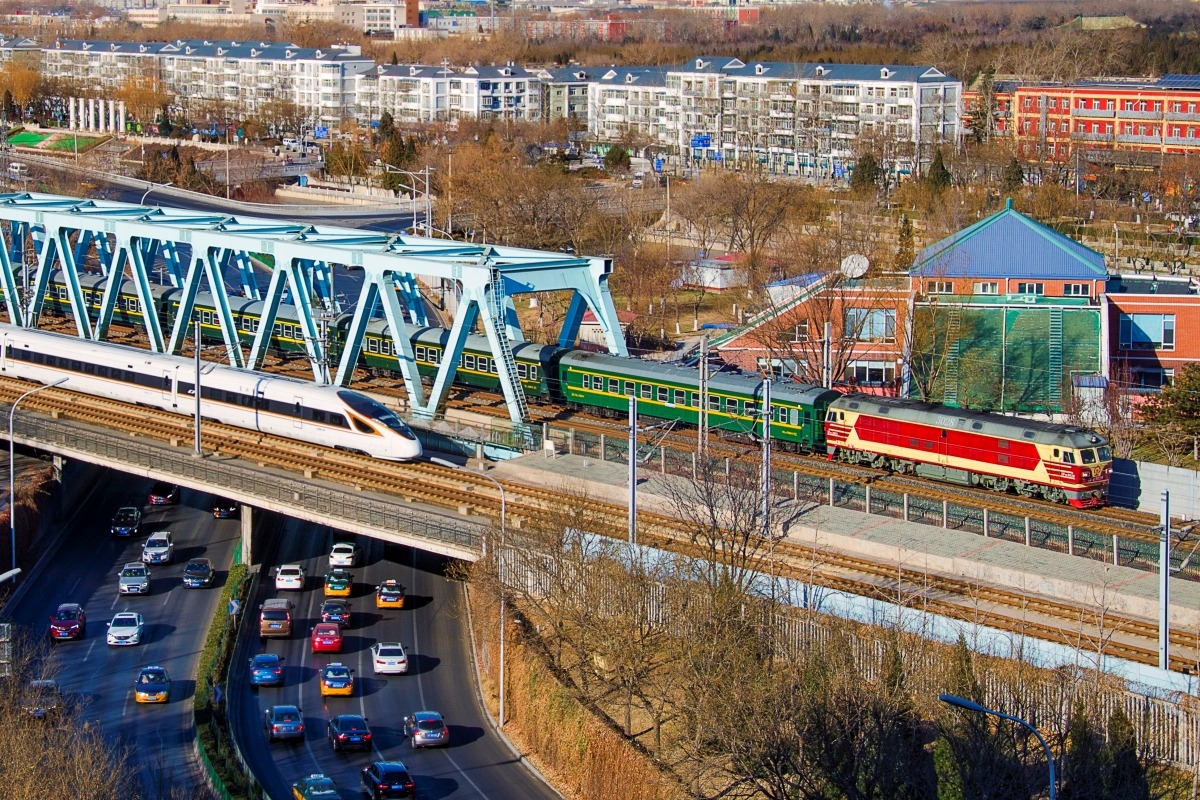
(159, 549)
(133, 578)
(427, 729)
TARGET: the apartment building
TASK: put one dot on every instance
(1049, 121)
(628, 103)
(423, 93)
(565, 92)
(13, 46)
(219, 78)
(804, 119)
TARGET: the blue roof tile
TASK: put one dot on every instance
(1009, 245)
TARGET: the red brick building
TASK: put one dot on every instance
(1049, 122)
(1153, 328)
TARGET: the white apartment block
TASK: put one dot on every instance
(422, 93)
(227, 80)
(804, 119)
(628, 102)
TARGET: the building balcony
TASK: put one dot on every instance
(1140, 114)
(1182, 141)
(1127, 138)
(1092, 137)
(1182, 116)
(1094, 113)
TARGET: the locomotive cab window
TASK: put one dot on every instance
(419, 353)
(1068, 456)
(522, 369)
(630, 388)
(1088, 456)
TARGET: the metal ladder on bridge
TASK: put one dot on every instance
(504, 358)
(953, 353)
(1055, 360)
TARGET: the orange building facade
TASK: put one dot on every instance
(1049, 122)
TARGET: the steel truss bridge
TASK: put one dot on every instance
(219, 253)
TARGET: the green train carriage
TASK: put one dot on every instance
(671, 391)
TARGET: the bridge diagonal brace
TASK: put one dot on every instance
(112, 293)
(140, 256)
(202, 259)
(12, 303)
(79, 307)
(464, 323)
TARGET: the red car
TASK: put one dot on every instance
(68, 622)
(327, 638)
(163, 494)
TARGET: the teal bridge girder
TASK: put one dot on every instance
(219, 253)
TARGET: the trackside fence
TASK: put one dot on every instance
(787, 485)
(1167, 726)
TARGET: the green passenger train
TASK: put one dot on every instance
(575, 378)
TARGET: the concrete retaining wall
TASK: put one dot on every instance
(1139, 484)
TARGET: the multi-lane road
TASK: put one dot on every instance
(101, 678)
(431, 626)
(159, 738)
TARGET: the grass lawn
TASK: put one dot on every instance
(27, 139)
(67, 142)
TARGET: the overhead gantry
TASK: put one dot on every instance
(229, 255)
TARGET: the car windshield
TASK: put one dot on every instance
(327, 630)
(265, 661)
(333, 608)
(274, 615)
(66, 614)
(133, 572)
(286, 716)
(376, 411)
(390, 652)
(153, 676)
(288, 572)
(337, 673)
(196, 568)
(430, 724)
(393, 774)
(124, 622)
(156, 541)
(353, 724)
(125, 516)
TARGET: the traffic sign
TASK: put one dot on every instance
(702, 140)
(321, 132)
(235, 607)
(658, 165)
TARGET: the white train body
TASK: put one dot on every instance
(287, 407)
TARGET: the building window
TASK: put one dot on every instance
(870, 325)
(986, 287)
(1076, 290)
(1031, 288)
(1147, 331)
(875, 373)
(800, 333)
(1152, 378)
(940, 287)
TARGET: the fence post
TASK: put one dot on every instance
(662, 460)
(868, 504)
(570, 441)
(796, 487)
(906, 506)
(1070, 540)
(945, 513)
(1027, 531)
(1116, 551)
(604, 447)
(831, 491)
(693, 465)
(985, 523)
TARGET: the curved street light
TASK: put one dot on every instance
(970, 705)
(12, 469)
(154, 186)
(499, 555)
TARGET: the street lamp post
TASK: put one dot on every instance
(969, 705)
(154, 186)
(424, 175)
(12, 469)
(499, 561)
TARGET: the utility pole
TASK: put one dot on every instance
(1164, 588)
(633, 448)
(702, 411)
(766, 458)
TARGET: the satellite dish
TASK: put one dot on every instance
(854, 266)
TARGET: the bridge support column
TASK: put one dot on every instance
(58, 462)
(246, 516)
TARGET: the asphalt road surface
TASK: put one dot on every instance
(101, 678)
(432, 627)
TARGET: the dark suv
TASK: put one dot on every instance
(382, 779)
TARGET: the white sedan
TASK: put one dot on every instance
(343, 554)
(290, 576)
(389, 658)
(126, 628)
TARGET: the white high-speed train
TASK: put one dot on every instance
(295, 409)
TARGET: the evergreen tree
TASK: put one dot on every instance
(395, 58)
(386, 129)
(1013, 177)
(938, 178)
(616, 159)
(1125, 775)
(1174, 413)
(864, 177)
(906, 252)
(1082, 764)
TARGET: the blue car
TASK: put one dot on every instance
(266, 669)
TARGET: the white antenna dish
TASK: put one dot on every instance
(854, 266)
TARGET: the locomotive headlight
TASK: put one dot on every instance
(1087, 474)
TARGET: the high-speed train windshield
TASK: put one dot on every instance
(364, 405)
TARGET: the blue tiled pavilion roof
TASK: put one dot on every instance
(1009, 244)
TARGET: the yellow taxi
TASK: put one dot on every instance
(389, 594)
(337, 680)
(338, 583)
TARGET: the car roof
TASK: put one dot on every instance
(336, 665)
(129, 508)
(344, 545)
(284, 708)
(69, 606)
(327, 626)
(129, 564)
(205, 561)
(126, 614)
(267, 655)
(388, 644)
(426, 715)
(282, 567)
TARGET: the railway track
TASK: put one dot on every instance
(1074, 625)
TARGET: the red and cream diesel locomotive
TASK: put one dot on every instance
(1061, 463)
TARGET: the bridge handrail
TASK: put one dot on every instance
(298, 492)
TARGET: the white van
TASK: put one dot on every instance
(17, 170)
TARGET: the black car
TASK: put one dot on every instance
(127, 521)
(224, 509)
(335, 611)
(382, 779)
(198, 573)
(349, 732)
(284, 722)
(163, 494)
